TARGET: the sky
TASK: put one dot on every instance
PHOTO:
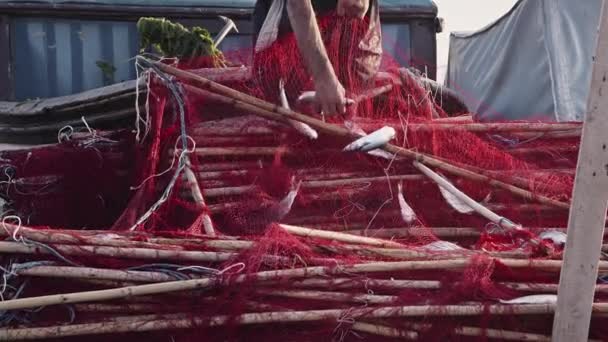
(465, 15)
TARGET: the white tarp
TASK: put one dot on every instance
(533, 63)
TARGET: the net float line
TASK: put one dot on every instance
(268, 110)
(552, 266)
(180, 321)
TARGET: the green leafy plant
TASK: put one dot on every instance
(175, 40)
(107, 69)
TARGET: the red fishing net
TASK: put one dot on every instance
(410, 259)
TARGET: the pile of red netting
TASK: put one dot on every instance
(210, 221)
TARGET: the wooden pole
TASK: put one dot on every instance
(270, 111)
(495, 127)
(198, 198)
(588, 211)
(310, 272)
(182, 321)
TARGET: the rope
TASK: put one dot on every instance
(177, 93)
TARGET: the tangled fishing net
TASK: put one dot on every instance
(292, 238)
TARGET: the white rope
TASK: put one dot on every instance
(175, 157)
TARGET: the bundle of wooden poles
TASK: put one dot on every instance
(122, 282)
(144, 296)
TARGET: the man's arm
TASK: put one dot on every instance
(330, 93)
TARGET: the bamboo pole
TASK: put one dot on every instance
(399, 284)
(336, 236)
(460, 118)
(240, 151)
(440, 232)
(121, 239)
(178, 321)
(211, 141)
(311, 174)
(199, 199)
(499, 334)
(370, 94)
(118, 252)
(273, 112)
(526, 151)
(382, 330)
(270, 151)
(494, 127)
(129, 308)
(366, 283)
(80, 237)
(309, 183)
(315, 271)
(575, 133)
(586, 224)
(226, 166)
(330, 296)
(347, 283)
(92, 273)
(240, 190)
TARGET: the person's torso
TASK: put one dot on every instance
(262, 7)
(353, 46)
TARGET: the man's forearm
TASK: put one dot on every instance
(304, 25)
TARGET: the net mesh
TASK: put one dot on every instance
(255, 174)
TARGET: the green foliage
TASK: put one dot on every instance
(174, 40)
(107, 69)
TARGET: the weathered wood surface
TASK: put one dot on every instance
(588, 211)
(42, 106)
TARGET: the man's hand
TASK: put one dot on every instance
(330, 95)
(329, 92)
